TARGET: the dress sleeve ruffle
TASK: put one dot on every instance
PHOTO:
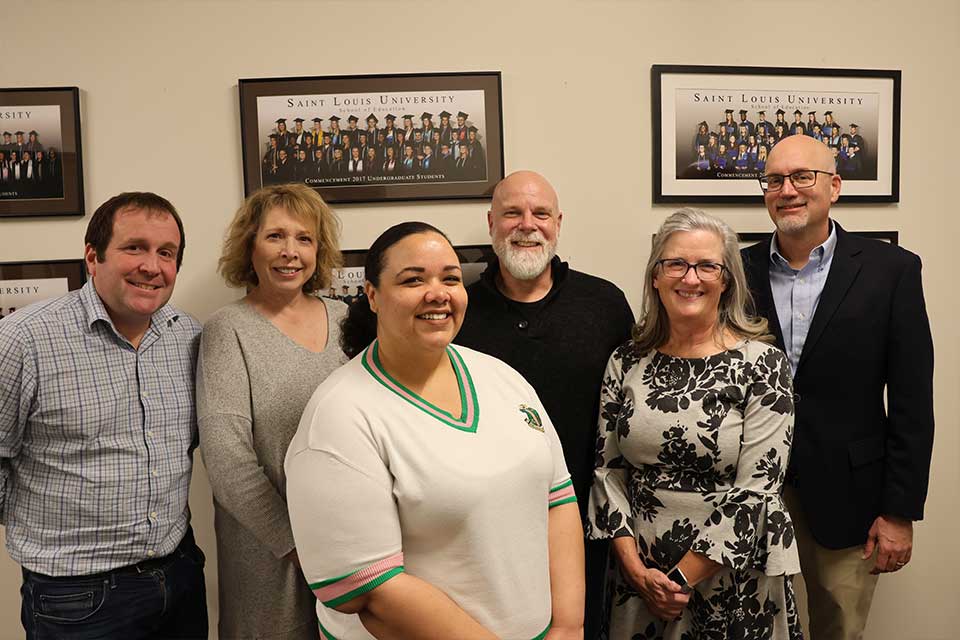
(609, 515)
(750, 530)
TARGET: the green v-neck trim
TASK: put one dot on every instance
(470, 408)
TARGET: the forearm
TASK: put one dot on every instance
(625, 550)
(408, 608)
(697, 567)
(240, 485)
(566, 566)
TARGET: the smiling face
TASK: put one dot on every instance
(690, 299)
(524, 223)
(801, 211)
(139, 268)
(420, 301)
(284, 253)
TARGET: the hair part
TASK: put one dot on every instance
(736, 310)
(100, 228)
(359, 328)
(301, 202)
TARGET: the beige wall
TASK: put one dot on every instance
(160, 79)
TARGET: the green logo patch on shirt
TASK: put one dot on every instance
(532, 417)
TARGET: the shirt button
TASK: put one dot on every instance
(150, 433)
(150, 552)
(522, 324)
(154, 473)
(153, 514)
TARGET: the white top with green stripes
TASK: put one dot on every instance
(380, 482)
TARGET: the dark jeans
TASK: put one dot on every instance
(161, 598)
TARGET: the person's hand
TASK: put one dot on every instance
(293, 557)
(892, 539)
(662, 595)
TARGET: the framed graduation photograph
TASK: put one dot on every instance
(41, 169)
(347, 282)
(713, 128)
(375, 138)
(23, 283)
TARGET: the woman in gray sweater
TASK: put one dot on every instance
(261, 358)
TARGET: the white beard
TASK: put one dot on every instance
(524, 264)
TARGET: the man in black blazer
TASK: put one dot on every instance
(850, 314)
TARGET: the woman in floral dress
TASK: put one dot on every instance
(696, 420)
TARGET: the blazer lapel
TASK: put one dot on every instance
(843, 271)
(759, 268)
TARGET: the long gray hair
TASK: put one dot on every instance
(736, 310)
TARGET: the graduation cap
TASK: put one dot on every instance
(353, 118)
(743, 112)
(472, 128)
(281, 121)
(780, 112)
(318, 120)
(7, 133)
(33, 132)
(828, 113)
(425, 115)
(811, 113)
(461, 114)
(372, 117)
(390, 117)
(334, 119)
(298, 119)
(798, 112)
(273, 136)
(728, 110)
(854, 125)
(703, 123)
(408, 115)
(761, 113)
(18, 133)
(445, 114)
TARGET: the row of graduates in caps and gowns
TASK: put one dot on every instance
(453, 151)
(367, 163)
(849, 148)
(26, 174)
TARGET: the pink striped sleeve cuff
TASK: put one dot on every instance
(336, 591)
(562, 494)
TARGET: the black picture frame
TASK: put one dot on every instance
(474, 258)
(684, 96)
(750, 237)
(23, 283)
(263, 100)
(56, 187)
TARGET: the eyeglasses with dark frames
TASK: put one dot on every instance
(803, 179)
(678, 268)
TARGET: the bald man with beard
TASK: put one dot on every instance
(554, 325)
(849, 313)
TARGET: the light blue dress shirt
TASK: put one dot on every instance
(796, 293)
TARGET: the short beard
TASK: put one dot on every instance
(524, 264)
(791, 225)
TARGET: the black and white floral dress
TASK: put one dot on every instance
(691, 455)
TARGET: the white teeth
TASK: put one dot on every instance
(287, 270)
(689, 294)
(433, 316)
(144, 286)
(520, 243)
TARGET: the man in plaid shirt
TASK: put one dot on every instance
(97, 431)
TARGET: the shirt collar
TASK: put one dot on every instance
(95, 310)
(821, 254)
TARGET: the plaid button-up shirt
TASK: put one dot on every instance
(96, 437)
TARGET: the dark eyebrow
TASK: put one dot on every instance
(449, 267)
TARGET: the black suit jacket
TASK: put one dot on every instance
(854, 458)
